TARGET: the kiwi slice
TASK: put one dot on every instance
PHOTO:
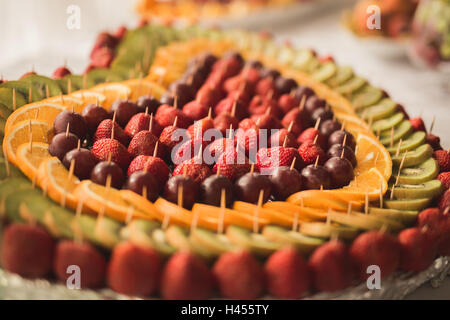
(4, 111)
(401, 131)
(2, 127)
(365, 97)
(8, 187)
(14, 172)
(429, 189)
(104, 232)
(302, 243)
(178, 237)
(13, 201)
(147, 233)
(409, 205)
(6, 98)
(324, 72)
(403, 216)
(342, 75)
(77, 82)
(364, 221)
(302, 59)
(414, 157)
(253, 242)
(413, 141)
(388, 123)
(285, 55)
(41, 82)
(383, 109)
(421, 173)
(214, 242)
(24, 88)
(327, 230)
(100, 75)
(351, 85)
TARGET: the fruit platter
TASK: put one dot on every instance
(193, 163)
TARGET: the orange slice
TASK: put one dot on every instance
(21, 133)
(292, 209)
(88, 97)
(141, 87)
(57, 183)
(112, 92)
(29, 157)
(273, 216)
(68, 101)
(43, 111)
(370, 182)
(370, 153)
(108, 201)
(354, 125)
(139, 203)
(319, 199)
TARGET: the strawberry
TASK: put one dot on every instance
(171, 136)
(251, 75)
(232, 164)
(277, 139)
(401, 109)
(219, 146)
(198, 128)
(241, 96)
(437, 224)
(431, 218)
(375, 248)
(144, 143)
(287, 102)
(239, 275)
(310, 135)
(260, 106)
(223, 122)
(194, 169)
(165, 116)
(186, 276)
(137, 123)
(248, 140)
(444, 202)
(417, 124)
(417, 249)
(209, 96)
(331, 267)
(188, 150)
(444, 177)
(434, 141)
(102, 57)
(195, 110)
(154, 165)
(267, 159)
(267, 122)
(300, 119)
(247, 124)
(237, 83)
(287, 274)
(104, 132)
(309, 151)
(230, 66)
(443, 159)
(226, 106)
(265, 87)
(119, 154)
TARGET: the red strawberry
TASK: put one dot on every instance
(287, 102)
(331, 267)
(165, 116)
(137, 123)
(195, 110)
(267, 122)
(144, 143)
(417, 124)
(375, 248)
(223, 122)
(310, 135)
(434, 141)
(198, 128)
(239, 275)
(309, 151)
(417, 249)
(437, 225)
(119, 154)
(430, 218)
(185, 276)
(237, 83)
(265, 87)
(232, 164)
(209, 96)
(154, 165)
(268, 159)
(219, 146)
(188, 150)
(248, 140)
(444, 177)
(260, 106)
(281, 135)
(443, 159)
(444, 202)
(241, 96)
(194, 169)
(104, 132)
(251, 75)
(300, 119)
(171, 136)
(102, 57)
(247, 124)
(226, 106)
(287, 274)
(230, 66)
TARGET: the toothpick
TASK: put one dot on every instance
(398, 147)
(67, 129)
(366, 203)
(175, 121)
(256, 213)
(69, 177)
(84, 81)
(194, 220)
(343, 125)
(302, 102)
(316, 126)
(14, 99)
(209, 113)
(349, 208)
(233, 108)
(175, 102)
(293, 163)
(381, 193)
(130, 214)
(432, 124)
(252, 168)
(144, 192)
(295, 222)
(155, 151)
(316, 162)
(392, 137)
(392, 192)
(290, 126)
(222, 210)
(285, 141)
(150, 125)
(328, 220)
(376, 159)
(342, 153)
(344, 141)
(30, 95)
(78, 235)
(69, 86)
(109, 157)
(47, 91)
(180, 195)
(78, 144)
(400, 167)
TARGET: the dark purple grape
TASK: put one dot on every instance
(285, 182)
(303, 91)
(248, 187)
(256, 64)
(340, 170)
(147, 103)
(313, 103)
(285, 85)
(323, 114)
(125, 110)
(143, 183)
(190, 190)
(62, 144)
(183, 91)
(211, 190)
(328, 127)
(93, 115)
(336, 151)
(269, 73)
(315, 177)
(337, 137)
(84, 162)
(167, 98)
(103, 169)
(233, 55)
(74, 120)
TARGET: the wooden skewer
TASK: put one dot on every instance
(220, 226)
(398, 147)
(366, 203)
(155, 151)
(67, 129)
(14, 99)
(78, 144)
(381, 193)
(285, 141)
(256, 213)
(150, 125)
(302, 102)
(233, 108)
(344, 141)
(400, 167)
(130, 214)
(392, 192)
(349, 208)
(69, 86)
(316, 162)
(432, 124)
(392, 137)
(47, 91)
(293, 163)
(252, 168)
(295, 222)
(77, 233)
(289, 129)
(316, 126)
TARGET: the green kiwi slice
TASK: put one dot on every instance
(100, 75)
(302, 243)
(342, 75)
(409, 205)
(365, 97)
(413, 141)
(324, 72)
(214, 242)
(14, 172)
(406, 217)
(2, 127)
(383, 109)
(429, 189)
(419, 174)
(178, 237)
(388, 123)
(351, 86)
(414, 157)
(41, 82)
(14, 199)
(253, 242)
(328, 230)
(302, 59)
(6, 98)
(10, 186)
(401, 131)
(4, 111)
(24, 88)
(365, 221)
(104, 232)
